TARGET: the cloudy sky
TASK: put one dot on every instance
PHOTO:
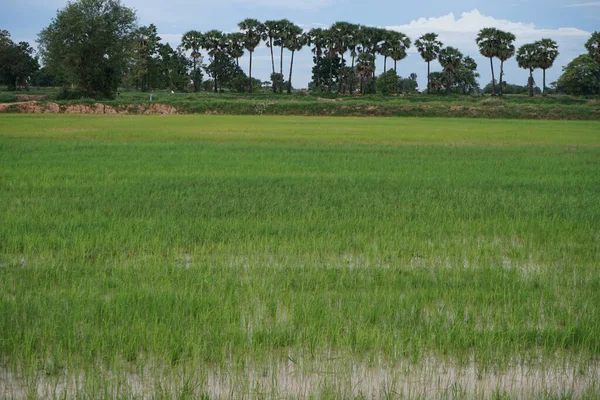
(569, 22)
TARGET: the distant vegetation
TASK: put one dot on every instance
(111, 51)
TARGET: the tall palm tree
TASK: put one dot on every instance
(365, 66)
(527, 58)
(488, 41)
(284, 29)
(429, 48)
(385, 49)
(191, 41)
(451, 60)
(271, 32)
(547, 53)
(235, 46)
(252, 30)
(341, 32)
(352, 43)
(213, 42)
(506, 50)
(330, 52)
(316, 39)
(400, 43)
(294, 43)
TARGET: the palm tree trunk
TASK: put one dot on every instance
(250, 75)
(289, 89)
(352, 78)
(428, 78)
(215, 84)
(530, 82)
(330, 75)
(281, 61)
(501, 75)
(272, 57)
(319, 73)
(384, 76)
(195, 75)
(340, 76)
(396, 73)
(493, 80)
(272, 63)
(544, 82)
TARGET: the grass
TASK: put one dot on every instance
(557, 107)
(185, 255)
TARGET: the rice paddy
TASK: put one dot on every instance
(298, 257)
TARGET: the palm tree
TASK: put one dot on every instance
(506, 50)
(235, 46)
(352, 43)
(284, 29)
(252, 30)
(385, 49)
(213, 42)
(316, 38)
(331, 52)
(270, 33)
(294, 43)
(527, 58)
(451, 60)
(343, 36)
(191, 41)
(488, 41)
(547, 53)
(365, 67)
(400, 43)
(429, 48)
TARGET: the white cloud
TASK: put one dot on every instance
(590, 4)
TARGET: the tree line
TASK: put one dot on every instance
(97, 46)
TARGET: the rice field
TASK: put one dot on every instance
(199, 256)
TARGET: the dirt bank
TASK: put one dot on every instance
(32, 107)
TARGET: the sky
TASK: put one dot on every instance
(568, 22)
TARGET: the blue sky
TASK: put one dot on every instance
(569, 22)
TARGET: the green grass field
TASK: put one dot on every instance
(265, 257)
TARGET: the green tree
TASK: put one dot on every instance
(429, 48)
(253, 30)
(174, 67)
(191, 41)
(593, 46)
(466, 76)
(527, 58)
(506, 50)
(17, 64)
(223, 70)
(547, 51)
(488, 41)
(580, 77)
(388, 82)
(90, 40)
(451, 60)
